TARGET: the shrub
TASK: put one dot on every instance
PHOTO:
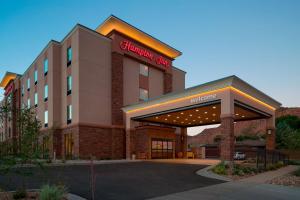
(19, 194)
(220, 169)
(297, 172)
(52, 192)
(241, 170)
(294, 162)
(275, 166)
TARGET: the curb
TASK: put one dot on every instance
(205, 172)
(69, 195)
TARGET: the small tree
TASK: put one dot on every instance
(25, 142)
(288, 132)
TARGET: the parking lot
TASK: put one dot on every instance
(139, 180)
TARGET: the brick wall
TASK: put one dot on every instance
(167, 82)
(117, 89)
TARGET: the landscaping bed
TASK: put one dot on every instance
(292, 179)
(242, 170)
(47, 192)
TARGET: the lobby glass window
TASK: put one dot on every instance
(69, 56)
(144, 70)
(46, 63)
(46, 118)
(46, 93)
(69, 114)
(144, 94)
(35, 99)
(28, 84)
(69, 85)
(28, 103)
(35, 77)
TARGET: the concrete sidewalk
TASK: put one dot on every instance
(237, 191)
(246, 189)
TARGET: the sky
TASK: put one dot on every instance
(259, 41)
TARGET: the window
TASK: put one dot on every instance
(35, 76)
(69, 114)
(28, 84)
(144, 70)
(69, 56)
(28, 103)
(35, 99)
(46, 67)
(69, 85)
(22, 90)
(143, 94)
(46, 93)
(46, 118)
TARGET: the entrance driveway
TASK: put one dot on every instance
(139, 180)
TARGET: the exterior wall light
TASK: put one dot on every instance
(269, 131)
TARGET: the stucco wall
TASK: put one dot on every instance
(94, 78)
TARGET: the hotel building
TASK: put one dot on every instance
(113, 92)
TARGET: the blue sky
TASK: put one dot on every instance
(259, 41)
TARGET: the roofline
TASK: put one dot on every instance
(8, 73)
(113, 16)
(179, 69)
(259, 91)
(63, 40)
(231, 78)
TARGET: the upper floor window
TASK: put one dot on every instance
(35, 99)
(28, 84)
(46, 93)
(46, 63)
(69, 114)
(69, 56)
(22, 90)
(28, 103)
(35, 76)
(46, 118)
(144, 70)
(144, 94)
(69, 85)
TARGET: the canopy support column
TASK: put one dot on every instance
(270, 137)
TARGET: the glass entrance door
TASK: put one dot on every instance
(161, 148)
(68, 145)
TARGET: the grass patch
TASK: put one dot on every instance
(220, 169)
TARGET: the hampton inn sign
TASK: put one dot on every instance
(129, 46)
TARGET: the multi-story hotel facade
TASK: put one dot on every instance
(83, 90)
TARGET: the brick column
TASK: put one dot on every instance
(227, 141)
(183, 140)
(168, 82)
(128, 144)
(270, 134)
(117, 89)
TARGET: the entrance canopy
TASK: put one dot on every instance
(204, 105)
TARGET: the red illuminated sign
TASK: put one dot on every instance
(130, 47)
(8, 89)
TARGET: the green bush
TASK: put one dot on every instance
(275, 166)
(240, 170)
(19, 194)
(294, 162)
(221, 169)
(52, 192)
(297, 172)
